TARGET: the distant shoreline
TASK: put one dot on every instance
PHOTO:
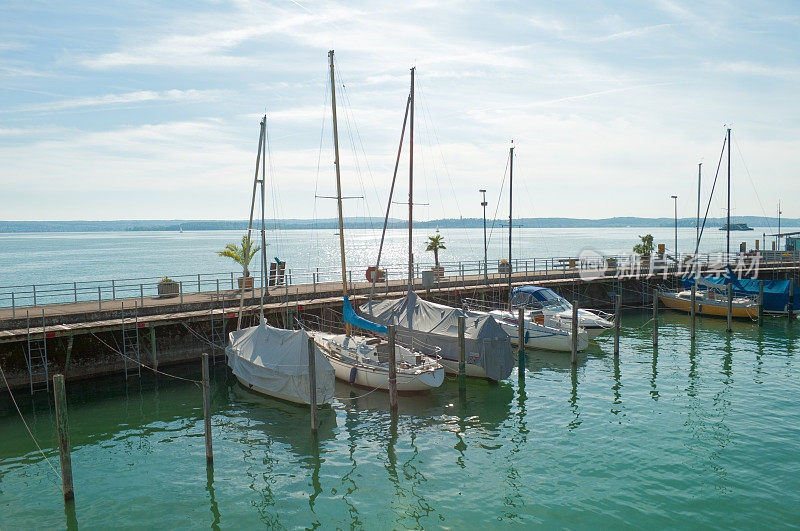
(371, 223)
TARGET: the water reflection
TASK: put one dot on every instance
(212, 498)
(72, 519)
(617, 387)
(653, 387)
(573, 399)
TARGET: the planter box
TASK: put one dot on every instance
(168, 289)
(247, 283)
(504, 268)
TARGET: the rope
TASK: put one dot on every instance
(361, 396)
(26, 424)
(156, 371)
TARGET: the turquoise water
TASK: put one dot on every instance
(703, 436)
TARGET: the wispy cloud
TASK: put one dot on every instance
(108, 100)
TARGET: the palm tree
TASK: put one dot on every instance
(241, 254)
(435, 244)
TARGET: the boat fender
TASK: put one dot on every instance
(527, 336)
(353, 373)
(700, 308)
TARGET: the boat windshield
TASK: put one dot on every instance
(540, 299)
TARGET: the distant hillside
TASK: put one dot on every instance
(355, 223)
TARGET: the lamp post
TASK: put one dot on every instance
(675, 197)
(485, 265)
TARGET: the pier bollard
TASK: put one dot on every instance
(574, 332)
(312, 382)
(617, 315)
(392, 368)
(760, 303)
(693, 312)
(207, 409)
(655, 319)
(790, 313)
(462, 355)
(730, 308)
(521, 341)
(62, 427)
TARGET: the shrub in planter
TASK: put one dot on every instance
(167, 287)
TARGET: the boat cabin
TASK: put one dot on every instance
(537, 297)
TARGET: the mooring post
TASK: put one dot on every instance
(392, 368)
(574, 337)
(462, 354)
(617, 315)
(521, 340)
(730, 307)
(312, 382)
(655, 319)
(62, 427)
(790, 313)
(760, 303)
(694, 312)
(207, 409)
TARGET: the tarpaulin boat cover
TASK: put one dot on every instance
(487, 344)
(776, 292)
(276, 360)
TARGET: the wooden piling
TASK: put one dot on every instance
(462, 354)
(575, 332)
(62, 427)
(153, 346)
(312, 383)
(207, 409)
(760, 303)
(655, 319)
(617, 317)
(730, 308)
(521, 339)
(392, 330)
(693, 312)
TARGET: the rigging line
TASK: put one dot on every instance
(275, 192)
(738, 149)
(533, 210)
(500, 195)
(719, 165)
(319, 159)
(14, 400)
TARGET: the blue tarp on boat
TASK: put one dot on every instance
(776, 292)
(350, 316)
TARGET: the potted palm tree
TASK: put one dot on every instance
(242, 254)
(436, 244)
(644, 249)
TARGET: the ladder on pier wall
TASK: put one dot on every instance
(130, 340)
(218, 339)
(36, 358)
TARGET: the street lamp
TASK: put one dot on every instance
(485, 265)
(675, 197)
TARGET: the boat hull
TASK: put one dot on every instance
(546, 340)
(274, 394)
(716, 308)
(374, 377)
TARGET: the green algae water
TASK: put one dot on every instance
(694, 436)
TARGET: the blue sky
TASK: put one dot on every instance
(137, 110)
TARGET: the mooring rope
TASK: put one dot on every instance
(26, 424)
(196, 382)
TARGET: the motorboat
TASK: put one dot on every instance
(710, 299)
(554, 310)
(537, 335)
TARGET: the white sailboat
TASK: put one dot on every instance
(364, 360)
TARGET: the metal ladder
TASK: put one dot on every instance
(130, 340)
(217, 325)
(36, 358)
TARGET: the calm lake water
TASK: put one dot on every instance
(703, 436)
(68, 257)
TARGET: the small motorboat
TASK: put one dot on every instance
(556, 311)
(709, 302)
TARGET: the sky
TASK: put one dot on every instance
(151, 110)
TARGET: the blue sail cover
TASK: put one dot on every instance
(776, 292)
(350, 316)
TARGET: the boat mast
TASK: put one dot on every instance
(263, 232)
(338, 185)
(411, 187)
(697, 223)
(510, 213)
(779, 226)
(728, 232)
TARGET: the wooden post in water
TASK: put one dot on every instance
(655, 319)
(760, 303)
(575, 332)
(392, 330)
(730, 307)
(207, 410)
(693, 312)
(312, 383)
(462, 354)
(617, 316)
(521, 339)
(62, 426)
(790, 313)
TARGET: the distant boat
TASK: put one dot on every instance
(180, 228)
(736, 226)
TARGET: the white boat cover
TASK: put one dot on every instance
(276, 361)
(487, 344)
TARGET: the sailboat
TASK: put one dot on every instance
(538, 334)
(268, 360)
(363, 360)
(488, 351)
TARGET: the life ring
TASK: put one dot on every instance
(381, 276)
